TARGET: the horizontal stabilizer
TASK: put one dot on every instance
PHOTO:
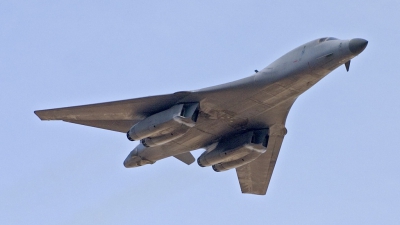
(186, 157)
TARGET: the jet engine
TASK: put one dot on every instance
(134, 159)
(167, 136)
(236, 163)
(235, 151)
(169, 123)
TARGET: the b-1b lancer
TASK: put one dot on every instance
(241, 124)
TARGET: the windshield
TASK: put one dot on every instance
(326, 39)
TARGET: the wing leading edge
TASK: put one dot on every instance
(255, 176)
(116, 116)
(120, 116)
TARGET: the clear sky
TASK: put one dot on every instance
(339, 163)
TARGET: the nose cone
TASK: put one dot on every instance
(357, 45)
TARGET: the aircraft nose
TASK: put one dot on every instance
(357, 45)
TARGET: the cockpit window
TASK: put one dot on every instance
(326, 39)
(321, 40)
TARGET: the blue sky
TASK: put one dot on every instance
(339, 161)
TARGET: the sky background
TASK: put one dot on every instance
(339, 163)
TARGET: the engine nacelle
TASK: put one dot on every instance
(134, 159)
(172, 118)
(238, 147)
(166, 137)
(236, 163)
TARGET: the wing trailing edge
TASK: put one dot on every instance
(117, 116)
(254, 177)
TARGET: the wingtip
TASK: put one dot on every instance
(42, 114)
(37, 113)
(254, 192)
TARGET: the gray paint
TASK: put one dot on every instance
(260, 101)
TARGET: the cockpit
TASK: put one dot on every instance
(326, 39)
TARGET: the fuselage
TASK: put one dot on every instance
(279, 83)
(308, 62)
(261, 100)
(240, 124)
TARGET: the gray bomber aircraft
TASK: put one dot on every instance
(240, 124)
